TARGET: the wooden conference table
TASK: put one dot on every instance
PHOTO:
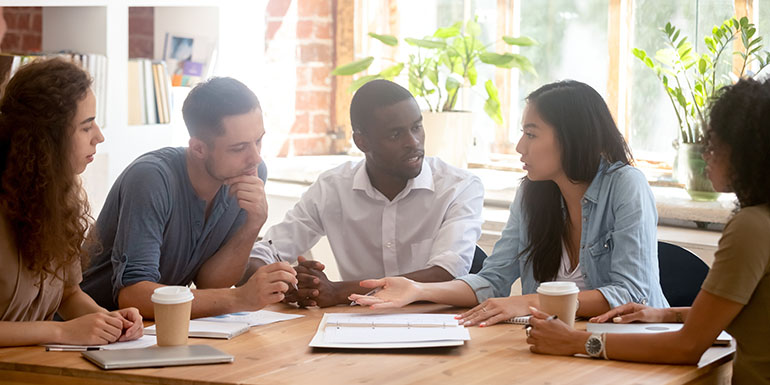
(279, 354)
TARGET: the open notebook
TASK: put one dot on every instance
(388, 331)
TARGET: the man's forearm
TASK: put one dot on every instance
(206, 303)
(431, 274)
(227, 266)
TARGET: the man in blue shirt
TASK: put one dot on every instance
(182, 215)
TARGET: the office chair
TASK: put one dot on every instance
(681, 274)
(478, 260)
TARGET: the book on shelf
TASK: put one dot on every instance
(94, 64)
(148, 96)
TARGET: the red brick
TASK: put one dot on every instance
(277, 8)
(315, 53)
(32, 43)
(311, 146)
(324, 30)
(321, 76)
(314, 8)
(11, 42)
(304, 29)
(313, 100)
(271, 29)
(10, 17)
(301, 124)
(321, 124)
(303, 76)
(22, 21)
(37, 22)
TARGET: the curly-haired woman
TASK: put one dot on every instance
(736, 293)
(47, 137)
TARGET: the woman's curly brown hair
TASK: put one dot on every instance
(740, 118)
(40, 194)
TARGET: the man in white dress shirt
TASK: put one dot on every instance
(395, 213)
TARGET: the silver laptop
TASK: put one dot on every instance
(157, 356)
(723, 339)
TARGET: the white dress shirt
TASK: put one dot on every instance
(434, 221)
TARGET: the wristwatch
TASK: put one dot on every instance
(595, 345)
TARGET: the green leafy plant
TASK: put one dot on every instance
(443, 63)
(691, 80)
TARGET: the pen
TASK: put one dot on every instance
(73, 349)
(373, 291)
(528, 327)
(278, 256)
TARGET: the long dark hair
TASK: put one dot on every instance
(586, 133)
(740, 118)
(39, 192)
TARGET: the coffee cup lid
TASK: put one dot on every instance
(169, 295)
(558, 288)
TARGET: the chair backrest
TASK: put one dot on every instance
(681, 274)
(478, 260)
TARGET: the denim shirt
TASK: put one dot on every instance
(618, 243)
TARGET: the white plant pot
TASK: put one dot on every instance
(448, 136)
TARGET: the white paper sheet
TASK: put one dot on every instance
(254, 318)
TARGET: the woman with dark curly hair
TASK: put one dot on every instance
(736, 293)
(47, 137)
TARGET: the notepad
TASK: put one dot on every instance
(207, 329)
(377, 331)
(141, 342)
(253, 318)
(521, 320)
(723, 339)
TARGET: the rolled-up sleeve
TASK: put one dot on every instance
(455, 244)
(633, 270)
(300, 229)
(502, 267)
(143, 209)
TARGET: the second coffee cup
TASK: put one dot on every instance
(560, 299)
(172, 305)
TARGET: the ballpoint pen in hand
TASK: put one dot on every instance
(371, 292)
(278, 256)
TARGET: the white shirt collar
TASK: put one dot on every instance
(422, 181)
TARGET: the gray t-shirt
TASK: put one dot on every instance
(153, 227)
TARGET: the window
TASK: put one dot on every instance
(575, 43)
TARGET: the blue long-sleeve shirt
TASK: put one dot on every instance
(618, 243)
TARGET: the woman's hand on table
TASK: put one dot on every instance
(392, 292)
(495, 310)
(553, 336)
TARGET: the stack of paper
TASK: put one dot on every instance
(378, 331)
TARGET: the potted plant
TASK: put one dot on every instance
(691, 81)
(439, 66)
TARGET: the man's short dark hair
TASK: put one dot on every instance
(211, 101)
(371, 96)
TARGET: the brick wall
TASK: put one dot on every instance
(140, 32)
(311, 30)
(24, 29)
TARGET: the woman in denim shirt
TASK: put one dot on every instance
(582, 214)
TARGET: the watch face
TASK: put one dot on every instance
(593, 345)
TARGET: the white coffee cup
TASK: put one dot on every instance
(560, 299)
(172, 306)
